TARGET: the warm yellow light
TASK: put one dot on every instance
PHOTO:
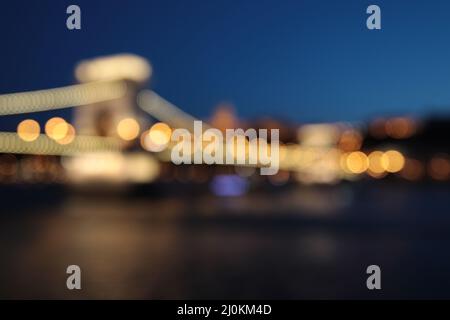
(160, 133)
(112, 167)
(392, 161)
(28, 130)
(69, 137)
(128, 129)
(157, 138)
(60, 131)
(148, 144)
(357, 162)
(375, 164)
(52, 124)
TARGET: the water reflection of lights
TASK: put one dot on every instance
(8, 165)
(317, 201)
(229, 185)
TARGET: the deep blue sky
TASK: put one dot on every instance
(309, 60)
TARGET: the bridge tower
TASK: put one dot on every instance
(101, 119)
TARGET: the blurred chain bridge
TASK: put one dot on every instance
(108, 139)
(111, 108)
(106, 120)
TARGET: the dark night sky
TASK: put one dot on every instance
(309, 60)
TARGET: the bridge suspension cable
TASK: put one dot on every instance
(161, 109)
(59, 98)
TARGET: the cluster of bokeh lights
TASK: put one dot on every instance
(56, 129)
(376, 164)
(157, 138)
